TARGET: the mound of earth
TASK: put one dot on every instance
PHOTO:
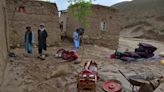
(142, 18)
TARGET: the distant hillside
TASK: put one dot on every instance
(142, 18)
(121, 4)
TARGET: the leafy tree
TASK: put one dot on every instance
(80, 9)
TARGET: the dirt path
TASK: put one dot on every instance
(24, 74)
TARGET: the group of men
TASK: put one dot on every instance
(42, 40)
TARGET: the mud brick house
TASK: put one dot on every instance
(23, 13)
(3, 38)
(104, 27)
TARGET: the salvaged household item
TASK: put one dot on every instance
(162, 61)
(145, 84)
(112, 86)
(150, 86)
(143, 51)
(70, 55)
(88, 77)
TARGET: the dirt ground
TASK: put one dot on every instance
(26, 74)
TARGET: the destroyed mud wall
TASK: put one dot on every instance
(103, 27)
(31, 13)
(3, 39)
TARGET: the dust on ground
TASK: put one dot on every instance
(26, 74)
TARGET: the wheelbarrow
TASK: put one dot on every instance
(140, 81)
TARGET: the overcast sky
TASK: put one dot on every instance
(63, 4)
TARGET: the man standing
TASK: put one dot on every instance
(76, 39)
(29, 40)
(42, 40)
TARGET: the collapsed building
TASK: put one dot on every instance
(23, 13)
(103, 27)
(3, 39)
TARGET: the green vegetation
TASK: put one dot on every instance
(80, 9)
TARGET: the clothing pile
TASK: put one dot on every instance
(70, 55)
(143, 51)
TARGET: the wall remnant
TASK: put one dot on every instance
(3, 39)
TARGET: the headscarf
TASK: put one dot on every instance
(40, 28)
